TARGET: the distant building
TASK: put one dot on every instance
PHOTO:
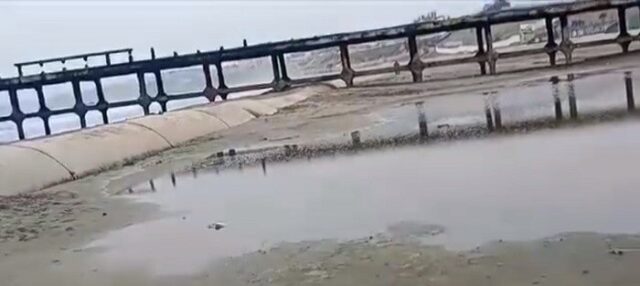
(497, 5)
(430, 17)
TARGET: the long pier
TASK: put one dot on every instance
(486, 58)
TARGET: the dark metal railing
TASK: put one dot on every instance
(487, 56)
(85, 57)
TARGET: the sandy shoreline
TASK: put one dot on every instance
(45, 232)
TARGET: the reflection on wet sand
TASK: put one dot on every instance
(502, 188)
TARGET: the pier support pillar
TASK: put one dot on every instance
(566, 46)
(347, 73)
(44, 111)
(490, 53)
(80, 108)
(481, 52)
(143, 99)
(209, 92)
(222, 85)
(415, 63)
(102, 102)
(283, 83)
(16, 114)
(162, 95)
(551, 46)
(623, 39)
(277, 78)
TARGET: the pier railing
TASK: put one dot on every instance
(486, 57)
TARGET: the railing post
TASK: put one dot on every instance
(551, 47)
(566, 46)
(347, 73)
(491, 54)
(222, 85)
(415, 63)
(80, 108)
(143, 99)
(624, 40)
(16, 113)
(44, 109)
(103, 105)
(481, 53)
(19, 70)
(107, 59)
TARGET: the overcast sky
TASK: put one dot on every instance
(39, 29)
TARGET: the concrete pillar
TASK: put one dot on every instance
(347, 72)
(415, 63)
(573, 105)
(551, 46)
(557, 102)
(566, 46)
(16, 114)
(102, 102)
(623, 38)
(143, 98)
(481, 53)
(80, 108)
(222, 85)
(628, 84)
(44, 110)
(491, 54)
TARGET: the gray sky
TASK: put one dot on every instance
(39, 29)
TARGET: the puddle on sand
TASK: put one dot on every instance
(511, 188)
(548, 99)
